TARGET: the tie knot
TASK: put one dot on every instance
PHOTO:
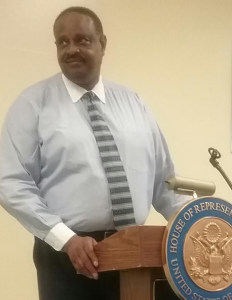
(89, 96)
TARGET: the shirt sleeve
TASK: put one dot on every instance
(164, 200)
(20, 174)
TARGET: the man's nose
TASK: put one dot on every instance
(73, 48)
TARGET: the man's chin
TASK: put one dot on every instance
(82, 77)
(76, 76)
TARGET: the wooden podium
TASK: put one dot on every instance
(136, 252)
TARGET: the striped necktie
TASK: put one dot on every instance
(122, 206)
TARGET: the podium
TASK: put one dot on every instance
(136, 253)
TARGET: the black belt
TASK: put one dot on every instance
(97, 235)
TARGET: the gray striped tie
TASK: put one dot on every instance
(122, 206)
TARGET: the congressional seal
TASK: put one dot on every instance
(197, 250)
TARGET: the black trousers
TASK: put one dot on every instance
(57, 278)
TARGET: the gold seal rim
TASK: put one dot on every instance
(165, 241)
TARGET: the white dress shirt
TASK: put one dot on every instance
(51, 175)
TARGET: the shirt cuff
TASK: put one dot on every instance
(58, 236)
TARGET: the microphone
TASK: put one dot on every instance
(214, 155)
(188, 186)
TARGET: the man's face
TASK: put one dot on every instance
(79, 49)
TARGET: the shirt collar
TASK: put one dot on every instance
(76, 92)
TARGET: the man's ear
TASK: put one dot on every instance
(103, 42)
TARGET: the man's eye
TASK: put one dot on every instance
(84, 41)
(61, 43)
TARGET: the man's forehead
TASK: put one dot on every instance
(74, 20)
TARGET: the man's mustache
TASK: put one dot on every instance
(76, 57)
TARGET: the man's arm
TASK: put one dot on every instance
(19, 192)
(20, 169)
(164, 201)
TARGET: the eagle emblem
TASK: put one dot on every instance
(211, 264)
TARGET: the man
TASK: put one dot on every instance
(57, 178)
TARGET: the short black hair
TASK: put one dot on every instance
(83, 11)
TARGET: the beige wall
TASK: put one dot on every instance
(175, 53)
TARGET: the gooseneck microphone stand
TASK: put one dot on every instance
(215, 154)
